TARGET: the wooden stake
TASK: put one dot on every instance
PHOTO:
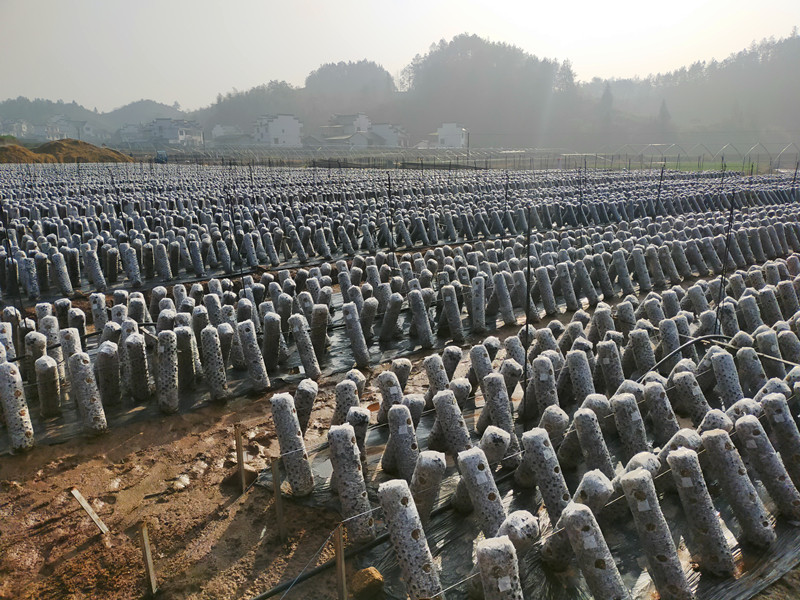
(89, 510)
(147, 555)
(341, 573)
(276, 486)
(237, 432)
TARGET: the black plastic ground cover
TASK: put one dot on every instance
(452, 536)
(338, 359)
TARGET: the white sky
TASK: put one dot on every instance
(106, 53)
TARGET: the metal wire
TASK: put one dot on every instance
(308, 564)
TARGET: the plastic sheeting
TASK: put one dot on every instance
(337, 359)
(452, 536)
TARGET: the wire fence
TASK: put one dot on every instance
(761, 157)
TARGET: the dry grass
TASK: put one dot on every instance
(68, 151)
(17, 154)
(61, 151)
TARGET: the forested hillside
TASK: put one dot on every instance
(510, 98)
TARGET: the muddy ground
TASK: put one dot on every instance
(177, 473)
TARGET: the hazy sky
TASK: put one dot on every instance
(106, 53)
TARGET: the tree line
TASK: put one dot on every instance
(509, 98)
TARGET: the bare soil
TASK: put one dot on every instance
(177, 474)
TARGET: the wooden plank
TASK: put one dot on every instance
(341, 573)
(237, 432)
(147, 555)
(276, 485)
(90, 511)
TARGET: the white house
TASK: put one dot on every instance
(224, 131)
(19, 129)
(176, 132)
(132, 133)
(341, 126)
(452, 135)
(77, 130)
(278, 130)
(46, 133)
(393, 136)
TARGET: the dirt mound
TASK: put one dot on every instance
(18, 154)
(61, 151)
(68, 151)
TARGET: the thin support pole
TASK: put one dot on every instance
(147, 555)
(276, 487)
(89, 511)
(237, 432)
(341, 573)
(660, 181)
(527, 295)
